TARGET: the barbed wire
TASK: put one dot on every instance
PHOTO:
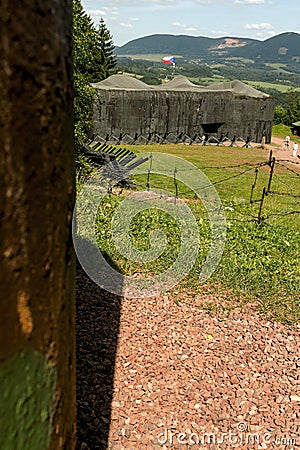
(218, 182)
(288, 194)
(235, 166)
(288, 213)
(279, 180)
(288, 161)
(253, 165)
(244, 208)
(288, 168)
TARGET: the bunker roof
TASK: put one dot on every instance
(178, 83)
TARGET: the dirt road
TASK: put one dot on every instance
(277, 145)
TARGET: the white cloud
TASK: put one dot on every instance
(111, 10)
(134, 19)
(147, 3)
(178, 24)
(258, 26)
(96, 12)
(186, 28)
(219, 33)
(253, 2)
(125, 25)
(203, 2)
(265, 35)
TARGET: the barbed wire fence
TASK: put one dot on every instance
(244, 210)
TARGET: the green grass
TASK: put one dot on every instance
(280, 67)
(265, 85)
(155, 57)
(282, 130)
(241, 60)
(260, 85)
(204, 81)
(260, 263)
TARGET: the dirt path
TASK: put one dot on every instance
(277, 145)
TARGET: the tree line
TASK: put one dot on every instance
(94, 60)
(288, 113)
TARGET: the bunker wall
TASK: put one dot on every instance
(118, 111)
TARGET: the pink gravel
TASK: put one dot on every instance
(184, 379)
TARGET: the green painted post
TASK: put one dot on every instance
(37, 270)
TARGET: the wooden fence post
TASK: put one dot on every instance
(259, 217)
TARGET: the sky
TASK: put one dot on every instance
(258, 19)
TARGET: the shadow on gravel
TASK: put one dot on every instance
(97, 329)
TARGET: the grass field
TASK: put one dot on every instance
(279, 87)
(155, 57)
(260, 263)
(207, 80)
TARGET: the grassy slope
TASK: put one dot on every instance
(260, 263)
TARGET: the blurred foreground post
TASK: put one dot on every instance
(37, 364)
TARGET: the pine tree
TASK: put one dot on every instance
(86, 51)
(93, 61)
(106, 46)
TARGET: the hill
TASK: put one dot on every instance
(281, 48)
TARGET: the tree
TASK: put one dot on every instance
(93, 61)
(280, 115)
(86, 51)
(290, 113)
(106, 45)
(37, 276)
(85, 55)
(293, 109)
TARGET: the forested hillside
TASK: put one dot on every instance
(281, 48)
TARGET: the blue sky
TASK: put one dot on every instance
(258, 19)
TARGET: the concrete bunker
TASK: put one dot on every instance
(126, 105)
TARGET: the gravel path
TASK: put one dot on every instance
(149, 369)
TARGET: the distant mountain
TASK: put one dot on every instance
(282, 47)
